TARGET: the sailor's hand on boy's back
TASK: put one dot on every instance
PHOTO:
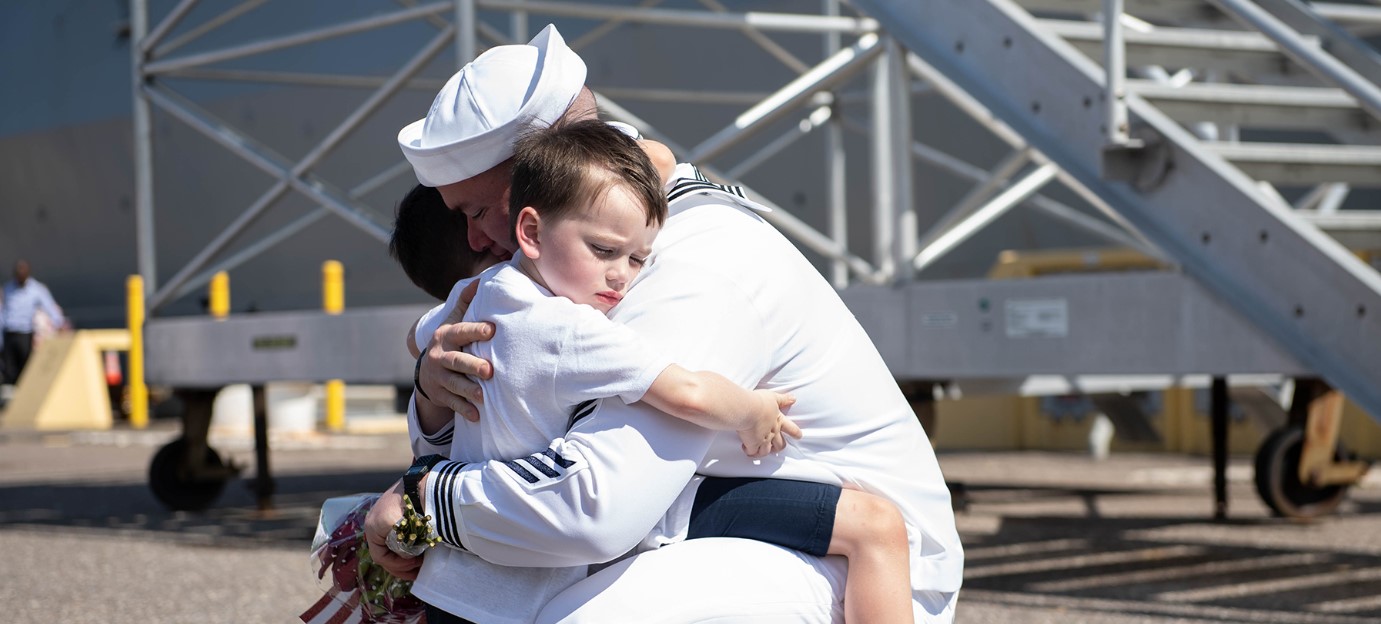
(445, 369)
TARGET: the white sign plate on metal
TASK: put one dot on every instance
(1037, 318)
(939, 320)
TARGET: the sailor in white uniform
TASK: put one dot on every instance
(728, 293)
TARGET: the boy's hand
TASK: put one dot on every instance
(769, 435)
(444, 375)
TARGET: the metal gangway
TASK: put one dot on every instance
(1231, 140)
(1189, 121)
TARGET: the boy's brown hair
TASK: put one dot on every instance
(565, 167)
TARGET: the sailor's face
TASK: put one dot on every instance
(483, 200)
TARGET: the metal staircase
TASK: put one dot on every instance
(1229, 117)
(1235, 106)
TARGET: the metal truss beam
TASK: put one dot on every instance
(293, 40)
(290, 177)
(790, 22)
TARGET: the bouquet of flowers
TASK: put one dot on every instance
(360, 590)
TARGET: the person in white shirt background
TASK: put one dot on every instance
(728, 293)
(27, 309)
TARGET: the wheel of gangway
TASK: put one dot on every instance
(1278, 482)
(177, 491)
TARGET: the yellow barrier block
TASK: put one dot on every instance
(978, 423)
(1042, 431)
(1190, 429)
(64, 384)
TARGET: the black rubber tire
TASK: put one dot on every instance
(1278, 483)
(175, 492)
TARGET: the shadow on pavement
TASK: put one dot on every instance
(234, 519)
(1164, 564)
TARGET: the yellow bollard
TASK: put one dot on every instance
(333, 302)
(220, 295)
(332, 287)
(335, 405)
(138, 392)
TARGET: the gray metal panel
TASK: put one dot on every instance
(1099, 324)
(1291, 281)
(358, 346)
(884, 312)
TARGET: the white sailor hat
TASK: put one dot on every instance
(485, 106)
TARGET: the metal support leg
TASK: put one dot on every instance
(906, 231)
(263, 481)
(884, 164)
(835, 164)
(1218, 409)
(465, 32)
(196, 427)
(143, 150)
(1114, 74)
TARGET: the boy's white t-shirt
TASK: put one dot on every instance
(551, 355)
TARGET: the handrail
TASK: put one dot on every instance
(1115, 73)
(1312, 19)
(1307, 54)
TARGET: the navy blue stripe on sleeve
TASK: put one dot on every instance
(581, 411)
(687, 187)
(522, 472)
(541, 466)
(557, 459)
(444, 514)
(442, 437)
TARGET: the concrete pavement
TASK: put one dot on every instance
(1050, 537)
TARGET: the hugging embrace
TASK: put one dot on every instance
(651, 407)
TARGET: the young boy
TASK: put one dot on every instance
(585, 207)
